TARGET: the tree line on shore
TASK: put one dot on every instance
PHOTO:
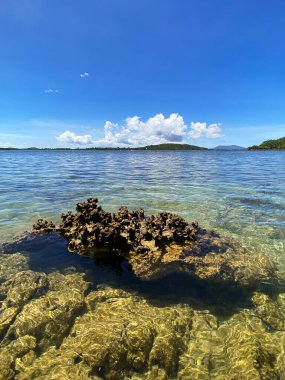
(277, 144)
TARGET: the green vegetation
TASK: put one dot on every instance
(171, 147)
(8, 148)
(270, 144)
(148, 147)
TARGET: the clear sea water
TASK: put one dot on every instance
(239, 193)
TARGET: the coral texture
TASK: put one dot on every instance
(156, 246)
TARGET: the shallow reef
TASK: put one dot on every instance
(158, 245)
(66, 324)
(56, 326)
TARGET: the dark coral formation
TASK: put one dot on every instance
(156, 246)
(44, 226)
(92, 227)
(60, 326)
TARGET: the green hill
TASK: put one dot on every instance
(171, 147)
(270, 144)
(148, 147)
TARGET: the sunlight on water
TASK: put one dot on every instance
(64, 316)
(240, 193)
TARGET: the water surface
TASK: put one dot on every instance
(239, 193)
(221, 332)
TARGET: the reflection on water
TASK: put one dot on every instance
(48, 253)
(68, 317)
(240, 193)
(63, 316)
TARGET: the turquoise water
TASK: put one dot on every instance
(241, 194)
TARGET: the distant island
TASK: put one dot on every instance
(171, 147)
(278, 144)
(148, 147)
(229, 147)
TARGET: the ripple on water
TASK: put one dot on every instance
(170, 328)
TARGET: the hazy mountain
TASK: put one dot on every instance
(229, 147)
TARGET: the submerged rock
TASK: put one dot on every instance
(10, 265)
(48, 318)
(209, 258)
(120, 335)
(63, 329)
(270, 311)
(26, 285)
(37, 313)
(156, 246)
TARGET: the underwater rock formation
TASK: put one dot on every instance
(68, 330)
(120, 334)
(156, 246)
(60, 326)
(271, 312)
(37, 312)
(10, 265)
(23, 287)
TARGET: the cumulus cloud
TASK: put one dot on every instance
(71, 138)
(84, 75)
(156, 130)
(201, 130)
(51, 91)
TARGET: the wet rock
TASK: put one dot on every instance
(41, 319)
(16, 351)
(43, 226)
(240, 348)
(6, 369)
(121, 335)
(10, 265)
(271, 312)
(209, 258)
(201, 354)
(109, 333)
(25, 286)
(248, 349)
(159, 245)
(49, 317)
(92, 227)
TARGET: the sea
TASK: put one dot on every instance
(239, 194)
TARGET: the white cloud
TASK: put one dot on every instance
(201, 130)
(51, 91)
(71, 138)
(155, 130)
(84, 75)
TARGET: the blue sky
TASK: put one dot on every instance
(152, 68)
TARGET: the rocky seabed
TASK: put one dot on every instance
(57, 326)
